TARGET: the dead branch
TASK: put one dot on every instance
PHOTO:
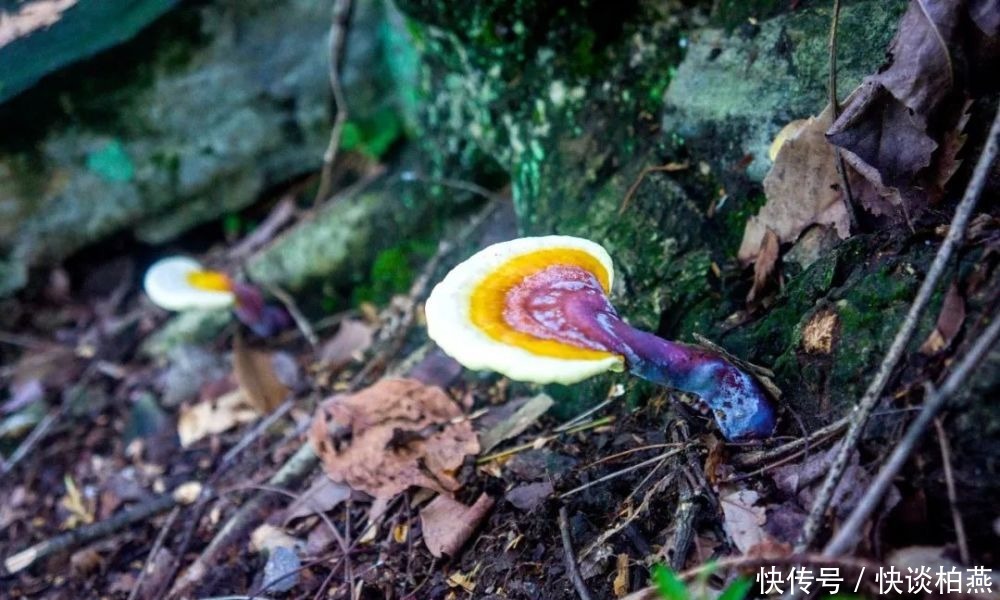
(294, 470)
(570, 558)
(338, 35)
(151, 557)
(859, 418)
(621, 472)
(835, 109)
(757, 458)
(293, 309)
(949, 478)
(81, 535)
(847, 535)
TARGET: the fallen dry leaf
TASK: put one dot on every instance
(256, 377)
(743, 519)
(81, 510)
(819, 332)
(447, 524)
(525, 416)
(902, 128)
(801, 479)
(394, 434)
(802, 189)
(350, 341)
(323, 495)
(790, 130)
(529, 496)
(949, 322)
(620, 584)
(764, 268)
(268, 537)
(214, 416)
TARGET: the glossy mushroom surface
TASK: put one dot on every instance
(537, 309)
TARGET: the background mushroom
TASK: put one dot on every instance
(180, 283)
(536, 309)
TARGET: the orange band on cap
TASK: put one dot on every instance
(210, 281)
(489, 299)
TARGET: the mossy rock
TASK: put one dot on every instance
(210, 108)
(575, 114)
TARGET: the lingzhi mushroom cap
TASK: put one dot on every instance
(181, 283)
(469, 313)
(536, 309)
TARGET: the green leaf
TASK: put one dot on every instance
(737, 590)
(668, 585)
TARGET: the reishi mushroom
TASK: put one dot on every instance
(536, 309)
(180, 283)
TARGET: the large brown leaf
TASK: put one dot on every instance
(802, 189)
(395, 434)
(257, 379)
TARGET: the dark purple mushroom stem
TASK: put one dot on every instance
(263, 319)
(566, 303)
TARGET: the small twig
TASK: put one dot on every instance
(688, 506)
(667, 168)
(81, 535)
(293, 309)
(835, 109)
(456, 184)
(281, 214)
(581, 417)
(32, 440)
(632, 515)
(859, 418)
(756, 458)
(846, 536)
(570, 558)
(301, 463)
(338, 35)
(256, 432)
(402, 314)
(624, 453)
(545, 439)
(621, 472)
(949, 478)
(151, 557)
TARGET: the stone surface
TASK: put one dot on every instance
(80, 29)
(735, 90)
(574, 112)
(218, 103)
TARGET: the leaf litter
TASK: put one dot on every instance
(395, 434)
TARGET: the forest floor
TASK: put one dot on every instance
(347, 457)
(197, 477)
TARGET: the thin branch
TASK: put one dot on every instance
(32, 440)
(949, 478)
(296, 468)
(835, 110)
(293, 309)
(570, 558)
(873, 394)
(258, 430)
(621, 472)
(151, 557)
(338, 35)
(81, 535)
(667, 168)
(847, 535)
(762, 457)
